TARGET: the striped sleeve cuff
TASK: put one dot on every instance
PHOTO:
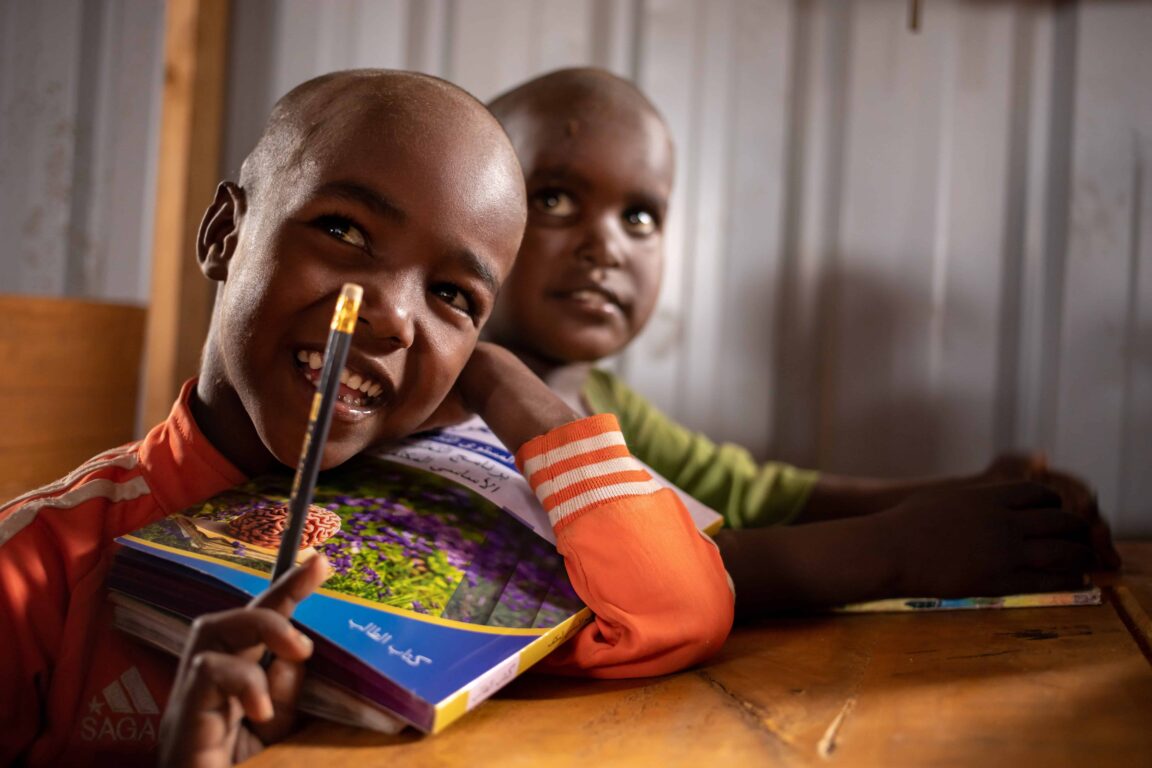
(582, 465)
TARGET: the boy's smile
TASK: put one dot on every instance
(594, 298)
(423, 208)
(359, 392)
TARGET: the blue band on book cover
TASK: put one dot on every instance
(444, 585)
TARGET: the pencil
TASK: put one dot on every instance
(319, 420)
(1087, 596)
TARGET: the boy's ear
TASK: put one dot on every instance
(220, 230)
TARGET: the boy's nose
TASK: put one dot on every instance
(600, 245)
(387, 315)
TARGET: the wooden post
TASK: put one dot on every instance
(195, 63)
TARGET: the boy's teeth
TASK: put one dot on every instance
(354, 381)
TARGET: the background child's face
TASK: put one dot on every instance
(422, 217)
(588, 274)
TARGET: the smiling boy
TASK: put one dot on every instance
(406, 185)
(599, 165)
(411, 200)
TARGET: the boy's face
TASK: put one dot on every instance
(588, 274)
(425, 221)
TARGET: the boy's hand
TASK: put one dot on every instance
(1075, 495)
(452, 410)
(503, 391)
(221, 681)
(479, 377)
(987, 540)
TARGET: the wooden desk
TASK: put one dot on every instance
(1040, 686)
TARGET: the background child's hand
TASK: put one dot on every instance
(221, 681)
(1075, 495)
(452, 410)
(987, 540)
(480, 377)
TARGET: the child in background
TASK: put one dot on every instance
(406, 185)
(598, 162)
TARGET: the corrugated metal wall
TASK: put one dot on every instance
(891, 252)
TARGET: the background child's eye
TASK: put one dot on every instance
(455, 297)
(554, 202)
(639, 222)
(343, 229)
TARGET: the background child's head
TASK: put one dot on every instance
(598, 163)
(400, 182)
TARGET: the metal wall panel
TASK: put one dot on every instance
(890, 251)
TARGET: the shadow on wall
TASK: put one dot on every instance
(900, 392)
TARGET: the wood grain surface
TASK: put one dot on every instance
(1021, 687)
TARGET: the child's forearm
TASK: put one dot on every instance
(656, 585)
(990, 539)
(836, 496)
(510, 398)
(787, 568)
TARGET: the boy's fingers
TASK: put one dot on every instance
(290, 589)
(214, 677)
(244, 629)
(284, 681)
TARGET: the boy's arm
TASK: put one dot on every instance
(834, 497)
(656, 585)
(515, 403)
(751, 494)
(22, 702)
(837, 497)
(34, 594)
(723, 476)
(989, 540)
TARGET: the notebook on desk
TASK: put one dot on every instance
(1087, 596)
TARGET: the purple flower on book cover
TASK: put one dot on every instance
(419, 542)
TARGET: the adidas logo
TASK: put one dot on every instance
(124, 711)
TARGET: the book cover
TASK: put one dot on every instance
(446, 583)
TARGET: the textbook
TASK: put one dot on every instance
(445, 583)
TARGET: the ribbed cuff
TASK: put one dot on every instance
(581, 465)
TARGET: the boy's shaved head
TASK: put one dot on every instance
(305, 119)
(587, 91)
(578, 96)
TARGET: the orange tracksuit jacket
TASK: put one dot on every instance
(75, 691)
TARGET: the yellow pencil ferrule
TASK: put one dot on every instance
(347, 308)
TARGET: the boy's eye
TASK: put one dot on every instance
(639, 222)
(554, 202)
(344, 230)
(455, 297)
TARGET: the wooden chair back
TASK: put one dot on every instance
(69, 381)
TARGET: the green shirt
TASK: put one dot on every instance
(726, 477)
